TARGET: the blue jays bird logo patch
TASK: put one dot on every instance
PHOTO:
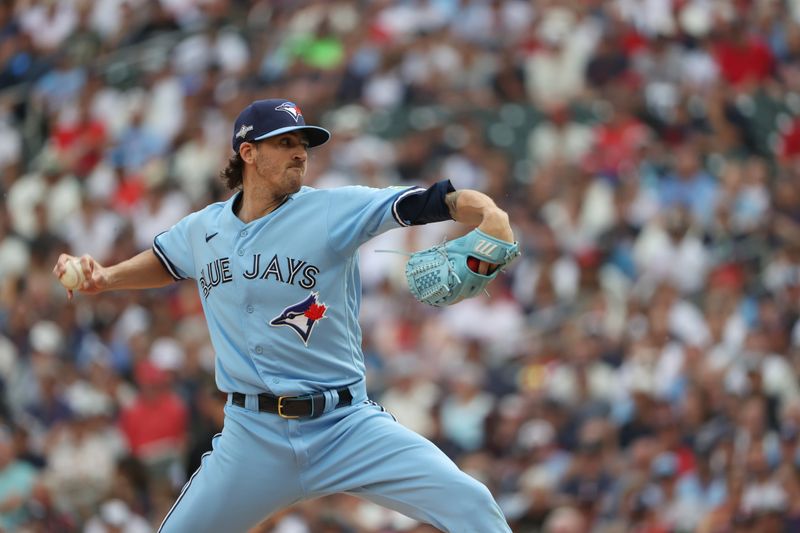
(302, 316)
(290, 108)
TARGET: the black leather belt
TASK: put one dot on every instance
(308, 406)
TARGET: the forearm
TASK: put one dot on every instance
(475, 209)
(143, 271)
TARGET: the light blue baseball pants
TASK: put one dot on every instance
(261, 463)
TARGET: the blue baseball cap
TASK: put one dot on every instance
(267, 118)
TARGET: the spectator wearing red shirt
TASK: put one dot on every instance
(743, 58)
(80, 139)
(129, 191)
(155, 424)
(617, 142)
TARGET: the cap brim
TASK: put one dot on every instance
(316, 135)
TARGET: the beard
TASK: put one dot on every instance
(282, 180)
(294, 179)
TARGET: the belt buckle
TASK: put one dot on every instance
(280, 408)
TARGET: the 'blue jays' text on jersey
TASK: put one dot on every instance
(281, 294)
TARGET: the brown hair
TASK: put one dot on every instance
(233, 174)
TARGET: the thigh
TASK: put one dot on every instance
(369, 454)
(249, 473)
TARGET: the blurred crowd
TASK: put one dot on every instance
(636, 370)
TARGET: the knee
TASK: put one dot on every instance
(476, 498)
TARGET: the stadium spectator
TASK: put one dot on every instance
(17, 481)
(155, 424)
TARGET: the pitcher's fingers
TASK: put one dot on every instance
(60, 265)
(490, 268)
(87, 265)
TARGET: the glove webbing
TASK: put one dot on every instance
(432, 285)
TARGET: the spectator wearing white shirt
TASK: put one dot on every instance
(114, 516)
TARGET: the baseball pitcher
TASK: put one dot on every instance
(276, 267)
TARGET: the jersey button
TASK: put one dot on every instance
(249, 308)
(240, 252)
(259, 349)
(243, 233)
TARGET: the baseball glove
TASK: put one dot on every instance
(440, 275)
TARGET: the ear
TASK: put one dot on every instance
(247, 152)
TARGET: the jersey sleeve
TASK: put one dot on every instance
(174, 249)
(423, 206)
(357, 213)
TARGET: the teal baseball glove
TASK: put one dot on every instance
(441, 275)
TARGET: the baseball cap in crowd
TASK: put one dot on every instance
(167, 354)
(267, 118)
(147, 373)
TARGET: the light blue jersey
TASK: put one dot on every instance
(281, 294)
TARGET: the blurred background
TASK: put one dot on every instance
(635, 370)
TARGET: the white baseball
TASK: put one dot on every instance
(73, 277)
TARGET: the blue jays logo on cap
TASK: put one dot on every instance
(292, 109)
(302, 316)
(267, 118)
